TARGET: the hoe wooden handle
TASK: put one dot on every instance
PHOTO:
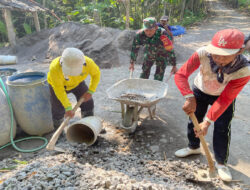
(54, 138)
(203, 142)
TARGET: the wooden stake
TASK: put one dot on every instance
(10, 27)
(165, 157)
(36, 20)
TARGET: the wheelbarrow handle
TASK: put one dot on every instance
(131, 74)
(169, 77)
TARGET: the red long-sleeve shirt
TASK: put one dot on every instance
(206, 81)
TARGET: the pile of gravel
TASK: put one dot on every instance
(104, 166)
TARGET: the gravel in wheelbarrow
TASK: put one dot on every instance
(143, 92)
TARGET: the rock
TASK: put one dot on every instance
(154, 148)
(51, 175)
(61, 176)
(197, 161)
(163, 140)
(107, 184)
(150, 132)
(67, 174)
(21, 176)
(103, 131)
(204, 175)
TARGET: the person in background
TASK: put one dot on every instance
(158, 49)
(66, 75)
(164, 24)
(223, 72)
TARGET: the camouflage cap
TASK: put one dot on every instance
(149, 23)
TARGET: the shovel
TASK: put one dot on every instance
(212, 172)
(53, 140)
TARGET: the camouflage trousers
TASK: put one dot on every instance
(161, 61)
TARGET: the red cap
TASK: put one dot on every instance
(226, 42)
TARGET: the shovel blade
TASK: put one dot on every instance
(205, 175)
(58, 149)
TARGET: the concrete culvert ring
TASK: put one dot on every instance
(81, 134)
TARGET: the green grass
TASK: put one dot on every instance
(189, 19)
(3, 44)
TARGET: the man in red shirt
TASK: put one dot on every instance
(223, 72)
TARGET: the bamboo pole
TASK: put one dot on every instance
(10, 27)
(36, 20)
(44, 14)
(127, 13)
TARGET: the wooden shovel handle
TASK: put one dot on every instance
(203, 142)
(54, 138)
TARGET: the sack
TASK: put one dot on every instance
(167, 43)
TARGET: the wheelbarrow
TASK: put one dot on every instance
(134, 95)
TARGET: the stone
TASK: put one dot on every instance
(107, 184)
(163, 140)
(154, 148)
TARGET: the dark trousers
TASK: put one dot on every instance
(58, 110)
(222, 126)
(162, 59)
(159, 72)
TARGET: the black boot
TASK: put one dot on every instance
(87, 113)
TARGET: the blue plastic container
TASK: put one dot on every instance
(177, 30)
(30, 98)
(5, 72)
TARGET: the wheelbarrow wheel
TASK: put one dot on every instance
(128, 117)
(129, 123)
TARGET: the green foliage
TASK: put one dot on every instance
(3, 31)
(191, 18)
(20, 162)
(108, 13)
(27, 28)
(245, 5)
(3, 28)
(2, 44)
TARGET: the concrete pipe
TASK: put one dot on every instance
(85, 130)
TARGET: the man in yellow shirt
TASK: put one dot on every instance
(66, 75)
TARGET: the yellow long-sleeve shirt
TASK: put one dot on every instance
(60, 85)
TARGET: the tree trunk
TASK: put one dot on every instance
(36, 20)
(183, 9)
(159, 12)
(196, 5)
(235, 3)
(192, 5)
(44, 14)
(165, 7)
(10, 28)
(127, 13)
(170, 11)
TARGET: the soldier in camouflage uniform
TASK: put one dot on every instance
(150, 37)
